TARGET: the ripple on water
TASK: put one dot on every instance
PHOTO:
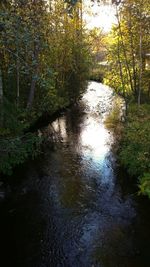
(88, 208)
(78, 212)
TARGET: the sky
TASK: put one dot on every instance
(99, 16)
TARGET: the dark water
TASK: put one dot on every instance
(70, 208)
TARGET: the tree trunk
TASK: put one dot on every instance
(34, 76)
(120, 69)
(1, 99)
(122, 80)
(124, 51)
(35, 59)
(140, 64)
(32, 90)
(18, 81)
(132, 53)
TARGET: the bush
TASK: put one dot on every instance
(145, 184)
(135, 145)
(14, 151)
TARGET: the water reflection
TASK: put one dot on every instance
(86, 201)
(95, 140)
(59, 127)
(92, 136)
(81, 216)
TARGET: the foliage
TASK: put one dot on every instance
(15, 151)
(128, 51)
(97, 73)
(44, 64)
(97, 43)
(145, 184)
(135, 145)
(114, 117)
(128, 74)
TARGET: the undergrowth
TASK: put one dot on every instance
(134, 151)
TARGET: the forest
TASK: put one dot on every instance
(43, 68)
(75, 133)
(46, 58)
(129, 75)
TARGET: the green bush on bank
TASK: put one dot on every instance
(98, 72)
(44, 67)
(96, 75)
(113, 119)
(135, 146)
(14, 151)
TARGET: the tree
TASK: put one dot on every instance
(43, 68)
(131, 46)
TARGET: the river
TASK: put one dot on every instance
(72, 206)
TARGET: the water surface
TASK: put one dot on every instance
(69, 208)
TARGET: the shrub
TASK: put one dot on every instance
(135, 146)
(14, 151)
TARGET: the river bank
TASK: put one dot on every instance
(26, 144)
(134, 151)
(132, 141)
(69, 207)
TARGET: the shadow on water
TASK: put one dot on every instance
(69, 208)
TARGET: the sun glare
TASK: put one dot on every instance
(100, 16)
